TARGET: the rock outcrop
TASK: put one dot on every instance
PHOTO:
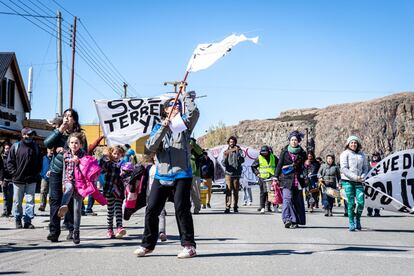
(385, 125)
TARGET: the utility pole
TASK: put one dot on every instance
(73, 62)
(59, 62)
(173, 83)
(29, 89)
(125, 89)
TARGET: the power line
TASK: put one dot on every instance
(31, 21)
(28, 15)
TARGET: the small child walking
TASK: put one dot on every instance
(114, 190)
(71, 158)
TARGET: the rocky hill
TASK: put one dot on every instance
(385, 124)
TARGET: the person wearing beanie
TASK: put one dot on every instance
(354, 168)
(264, 168)
(289, 172)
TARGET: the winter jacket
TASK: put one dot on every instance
(55, 140)
(4, 173)
(113, 181)
(207, 168)
(232, 161)
(330, 174)
(25, 162)
(196, 154)
(286, 181)
(353, 164)
(45, 167)
(173, 152)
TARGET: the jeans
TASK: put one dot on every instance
(28, 191)
(7, 197)
(182, 205)
(232, 185)
(247, 194)
(195, 193)
(67, 195)
(44, 190)
(55, 199)
(354, 191)
(91, 201)
(77, 211)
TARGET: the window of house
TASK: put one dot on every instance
(3, 92)
(10, 94)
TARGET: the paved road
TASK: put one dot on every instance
(247, 243)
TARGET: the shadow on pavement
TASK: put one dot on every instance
(258, 253)
(12, 272)
(369, 249)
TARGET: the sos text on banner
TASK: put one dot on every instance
(126, 120)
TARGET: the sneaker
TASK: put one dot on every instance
(196, 212)
(262, 211)
(110, 233)
(62, 211)
(69, 236)
(249, 204)
(208, 205)
(288, 223)
(244, 204)
(352, 227)
(28, 225)
(294, 226)
(259, 209)
(4, 215)
(236, 210)
(41, 209)
(19, 224)
(227, 211)
(120, 232)
(142, 251)
(53, 238)
(163, 237)
(188, 252)
(204, 207)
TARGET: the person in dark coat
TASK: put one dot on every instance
(7, 185)
(24, 163)
(289, 172)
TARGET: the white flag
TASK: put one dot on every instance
(206, 54)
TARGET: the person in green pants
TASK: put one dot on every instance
(354, 168)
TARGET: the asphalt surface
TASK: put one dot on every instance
(247, 243)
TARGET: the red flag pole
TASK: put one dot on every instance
(179, 91)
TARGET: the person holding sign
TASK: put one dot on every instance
(171, 144)
(354, 168)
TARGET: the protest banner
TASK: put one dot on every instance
(390, 184)
(126, 120)
(250, 154)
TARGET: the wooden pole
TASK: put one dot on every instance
(179, 92)
(73, 63)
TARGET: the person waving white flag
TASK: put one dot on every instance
(206, 54)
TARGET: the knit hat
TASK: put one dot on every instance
(27, 131)
(296, 134)
(353, 138)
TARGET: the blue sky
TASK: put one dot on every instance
(310, 53)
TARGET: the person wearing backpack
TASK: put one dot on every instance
(207, 174)
(24, 163)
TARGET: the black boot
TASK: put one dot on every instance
(76, 237)
(69, 236)
(326, 212)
